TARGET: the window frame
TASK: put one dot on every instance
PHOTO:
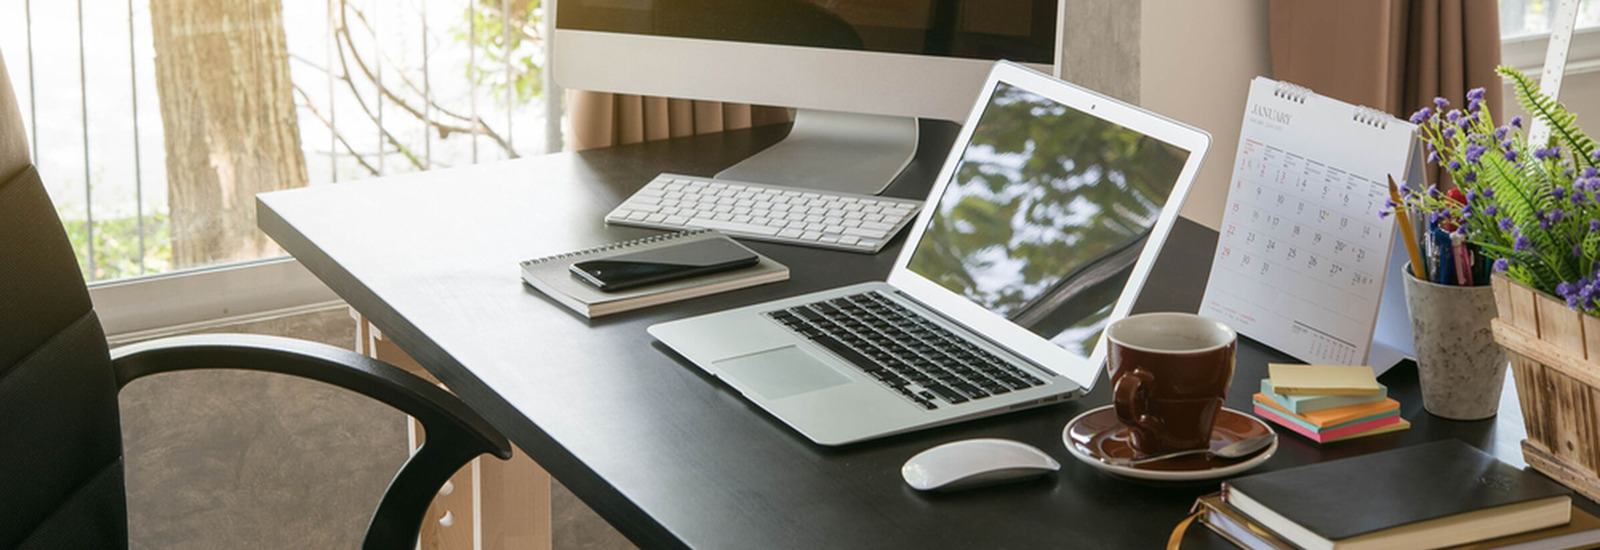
(200, 296)
(1526, 52)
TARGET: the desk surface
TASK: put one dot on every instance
(668, 454)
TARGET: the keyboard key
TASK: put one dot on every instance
(722, 225)
(864, 232)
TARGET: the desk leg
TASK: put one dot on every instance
(490, 504)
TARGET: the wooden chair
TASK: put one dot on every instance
(61, 471)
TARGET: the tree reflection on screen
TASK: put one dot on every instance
(1045, 195)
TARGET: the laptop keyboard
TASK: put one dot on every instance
(904, 351)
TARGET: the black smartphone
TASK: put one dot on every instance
(664, 264)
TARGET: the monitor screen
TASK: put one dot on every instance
(1018, 30)
(1046, 215)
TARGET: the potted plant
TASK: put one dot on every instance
(1534, 210)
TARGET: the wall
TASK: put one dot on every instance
(1196, 61)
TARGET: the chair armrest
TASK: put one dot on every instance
(456, 434)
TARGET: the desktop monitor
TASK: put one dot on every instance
(860, 72)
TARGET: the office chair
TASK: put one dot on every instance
(61, 472)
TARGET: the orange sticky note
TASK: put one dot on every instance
(1334, 416)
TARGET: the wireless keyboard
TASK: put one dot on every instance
(825, 219)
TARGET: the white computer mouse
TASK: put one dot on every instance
(975, 462)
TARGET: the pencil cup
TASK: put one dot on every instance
(1461, 369)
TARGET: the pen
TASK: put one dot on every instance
(1459, 256)
(1407, 232)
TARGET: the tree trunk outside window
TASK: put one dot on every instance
(227, 106)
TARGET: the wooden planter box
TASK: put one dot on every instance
(1555, 356)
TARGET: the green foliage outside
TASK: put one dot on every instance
(485, 25)
(116, 245)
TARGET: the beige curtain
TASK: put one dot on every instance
(1395, 55)
(604, 119)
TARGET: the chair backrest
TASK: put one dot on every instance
(61, 482)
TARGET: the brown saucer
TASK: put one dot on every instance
(1096, 435)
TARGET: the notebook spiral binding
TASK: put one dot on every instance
(1292, 92)
(1371, 117)
(618, 245)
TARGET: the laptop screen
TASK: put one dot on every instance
(1046, 215)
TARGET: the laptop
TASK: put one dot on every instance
(1039, 231)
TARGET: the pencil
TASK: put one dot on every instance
(1406, 232)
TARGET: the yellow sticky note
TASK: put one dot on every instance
(1323, 380)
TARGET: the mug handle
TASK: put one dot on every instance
(1133, 405)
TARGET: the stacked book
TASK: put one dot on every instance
(1328, 403)
(1445, 494)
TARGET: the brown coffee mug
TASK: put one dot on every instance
(1169, 374)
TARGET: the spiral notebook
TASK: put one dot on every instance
(1303, 257)
(551, 276)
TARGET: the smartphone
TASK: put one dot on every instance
(664, 264)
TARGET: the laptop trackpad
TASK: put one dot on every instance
(782, 372)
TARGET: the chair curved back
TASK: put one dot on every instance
(61, 482)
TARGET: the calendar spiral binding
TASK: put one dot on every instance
(1292, 92)
(1371, 117)
(618, 246)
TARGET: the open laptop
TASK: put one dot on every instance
(1040, 230)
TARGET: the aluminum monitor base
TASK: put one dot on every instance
(834, 151)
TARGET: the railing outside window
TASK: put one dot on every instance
(154, 122)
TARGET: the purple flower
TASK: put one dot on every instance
(1595, 156)
(1488, 192)
(1594, 225)
(1516, 122)
(1419, 116)
(1450, 133)
(1472, 196)
(1555, 216)
(1433, 157)
(1591, 172)
(1441, 102)
(1501, 265)
(1511, 156)
(1564, 289)
(1577, 251)
(1453, 117)
(1383, 214)
(1466, 122)
(1558, 192)
(1470, 177)
(1506, 145)
(1472, 105)
(1476, 94)
(1500, 133)
(1433, 191)
(1505, 224)
(1522, 244)
(1474, 152)
(1572, 302)
(1492, 210)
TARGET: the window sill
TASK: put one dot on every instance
(198, 296)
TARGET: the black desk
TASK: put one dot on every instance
(669, 455)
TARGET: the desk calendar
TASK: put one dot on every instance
(1302, 254)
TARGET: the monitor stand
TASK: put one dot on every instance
(834, 151)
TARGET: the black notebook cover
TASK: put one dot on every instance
(1355, 496)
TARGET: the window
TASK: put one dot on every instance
(1532, 17)
(154, 122)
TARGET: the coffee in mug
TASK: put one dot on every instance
(1169, 374)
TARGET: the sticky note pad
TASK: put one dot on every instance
(1301, 404)
(1323, 380)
